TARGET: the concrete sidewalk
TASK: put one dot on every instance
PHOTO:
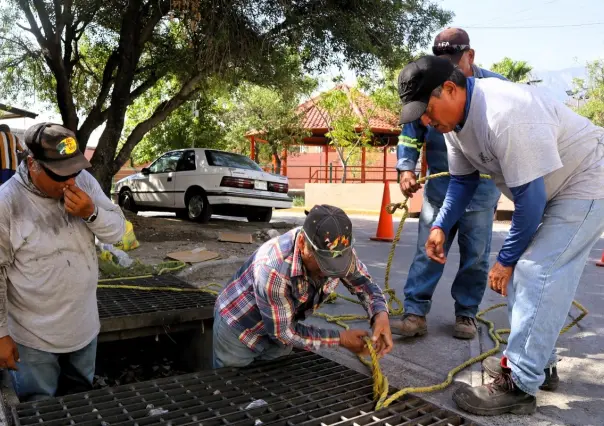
(426, 360)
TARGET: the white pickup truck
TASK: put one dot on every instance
(196, 183)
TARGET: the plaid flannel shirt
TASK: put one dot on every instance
(271, 293)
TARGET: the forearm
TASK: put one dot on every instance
(459, 194)
(529, 204)
(369, 293)
(309, 337)
(109, 226)
(407, 157)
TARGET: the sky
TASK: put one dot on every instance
(499, 28)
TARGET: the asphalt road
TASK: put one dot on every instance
(426, 360)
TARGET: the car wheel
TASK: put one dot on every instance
(198, 207)
(261, 215)
(126, 201)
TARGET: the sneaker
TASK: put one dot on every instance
(465, 327)
(410, 326)
(493, 399)
(492, 366)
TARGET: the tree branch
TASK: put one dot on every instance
(35, 30)
(163, 110)
(44, 19)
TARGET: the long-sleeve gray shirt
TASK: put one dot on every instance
(49, 266)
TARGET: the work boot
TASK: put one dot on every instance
(410, 326)
(492, 366)
(465, 327)
(493, 399)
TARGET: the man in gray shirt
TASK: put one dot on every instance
(550, 161)
(50, 212)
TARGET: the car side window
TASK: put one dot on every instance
(187, 162)
(166, 163)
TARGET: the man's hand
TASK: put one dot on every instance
(9, 354)
(77, 202)
(354, 341)
(381, 335)
(435, 246)
(499, 276)
(408, 184)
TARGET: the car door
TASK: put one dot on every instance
(158, 188)
(186, 175)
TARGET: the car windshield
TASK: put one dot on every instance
(228, 159)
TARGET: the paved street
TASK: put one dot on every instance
(427, 360)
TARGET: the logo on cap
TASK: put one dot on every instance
(333, 246)
(67, 146)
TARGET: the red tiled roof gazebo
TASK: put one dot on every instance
(383, 124)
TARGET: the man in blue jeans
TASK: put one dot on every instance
(50, 212)
(473, 229)
(550, 161)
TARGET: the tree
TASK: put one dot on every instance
(270, 114)
(592, 93)
(516, 71)
(93, 59)
(348, 131)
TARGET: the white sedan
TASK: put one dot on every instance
(196, 183)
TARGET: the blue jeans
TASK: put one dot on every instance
(543, 287)
(474, 232)
(228, 351)
(43, 375)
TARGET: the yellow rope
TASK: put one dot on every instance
(380, 382)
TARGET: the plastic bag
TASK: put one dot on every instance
(111, 254)
(129, 241)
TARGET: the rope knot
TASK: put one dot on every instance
(393, 207)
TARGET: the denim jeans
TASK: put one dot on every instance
(228, 351)
(543, 287)
(474, 232)
(43, 375)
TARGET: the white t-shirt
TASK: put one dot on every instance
(517, 133)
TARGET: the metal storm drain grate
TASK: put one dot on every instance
(127, 302)
(301, 389)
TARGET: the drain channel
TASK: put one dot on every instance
(301, 389)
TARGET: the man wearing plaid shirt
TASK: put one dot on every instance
(259, 315)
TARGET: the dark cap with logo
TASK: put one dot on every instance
(329, 231)
(417, 81)
(452, 42)
(56, 148)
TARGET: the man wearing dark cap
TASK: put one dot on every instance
(473, 228)
(550, 161)
(260, 314)
(50, 213)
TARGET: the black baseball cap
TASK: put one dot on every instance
(56, 148)
(452, 43)
(329, 231)
(417, 81)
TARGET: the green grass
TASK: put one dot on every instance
(298, 201)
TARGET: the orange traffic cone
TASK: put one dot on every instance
(385, 231)
(601, 262)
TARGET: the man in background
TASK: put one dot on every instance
(10, 147)
(473, 229)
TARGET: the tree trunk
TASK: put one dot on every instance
(344, 169)
(276, 159)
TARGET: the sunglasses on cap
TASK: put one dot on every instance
(329, 253)
(449, 49)
(56, 177)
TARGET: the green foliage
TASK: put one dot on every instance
(94, 59)
(270, 113)
(348, 131)
(516, 71)
(593, 108)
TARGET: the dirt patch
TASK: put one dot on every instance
(160, 235)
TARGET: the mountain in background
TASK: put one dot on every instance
(558, 82)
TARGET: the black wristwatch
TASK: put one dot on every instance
(93, 216)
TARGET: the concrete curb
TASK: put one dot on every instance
(202, 265)
(348, 211)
